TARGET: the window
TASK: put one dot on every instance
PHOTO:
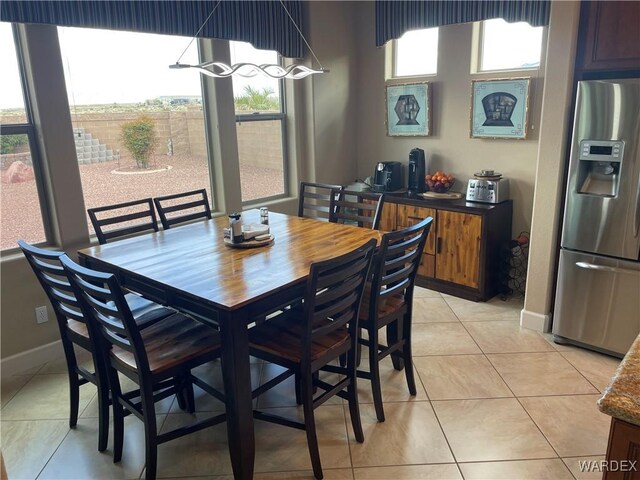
(260, 126)
(139, 127)
(416, 53)
(20, 210)
(509, 46)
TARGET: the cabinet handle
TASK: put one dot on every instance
(410, 217)
(438, 244)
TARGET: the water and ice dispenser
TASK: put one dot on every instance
(599, 167)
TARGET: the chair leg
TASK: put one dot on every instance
(407, 356)
(354, 407)
(103, 409)
(180, 393)
(298, 387)
(184, 394)
(189, 395)
(118, 414)
(310, 424)
(374, 368)
(150, 432)
(74, 399)
(74, 383)
(394, 332)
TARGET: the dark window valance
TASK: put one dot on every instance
(395, 17)
(264, 24)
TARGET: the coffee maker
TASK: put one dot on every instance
(387, 177)
(417, 172)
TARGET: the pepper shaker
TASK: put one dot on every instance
(235, 224)
(264, 215)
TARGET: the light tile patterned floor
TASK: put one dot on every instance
(494, 401)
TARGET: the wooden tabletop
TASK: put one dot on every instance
(193, 259)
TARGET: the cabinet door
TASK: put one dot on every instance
(388, 217)
(409, 215)
(458, 252)
(612, 39)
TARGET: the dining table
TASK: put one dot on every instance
(192, 269)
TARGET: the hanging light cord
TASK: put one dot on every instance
(304, 39)
(221, 70)
(200, 29)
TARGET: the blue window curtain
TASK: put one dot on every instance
(395, 17)
(264, 24)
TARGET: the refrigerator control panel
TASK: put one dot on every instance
(601, 150)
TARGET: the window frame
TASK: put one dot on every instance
(263, 117)
(478, 51)
(392, 54)
(29, 129)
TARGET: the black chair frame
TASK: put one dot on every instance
(104, 236)
(164, 211)
(332, 302)
(364, 211)
(111, 322)
(393, 276)
(320, 203)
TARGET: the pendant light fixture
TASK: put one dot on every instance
(222, 70)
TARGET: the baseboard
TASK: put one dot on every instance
(21, 362)
(535, 321)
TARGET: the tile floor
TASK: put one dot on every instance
(494, 402)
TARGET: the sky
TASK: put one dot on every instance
(106, 67)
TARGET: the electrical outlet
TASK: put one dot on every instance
(42, 315)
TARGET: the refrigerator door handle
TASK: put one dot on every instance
(602, 268)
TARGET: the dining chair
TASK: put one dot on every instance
(362, 209)
(317, 200)
(388, 303)
(153, 358)
(123, 219)
(73, 330)
(182, 207)
(306, 339)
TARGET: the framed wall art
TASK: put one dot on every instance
(499, 108)
(409, 110)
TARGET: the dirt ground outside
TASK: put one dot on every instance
(20, 215)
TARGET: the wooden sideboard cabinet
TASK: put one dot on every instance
(610, 36)
(463, 251)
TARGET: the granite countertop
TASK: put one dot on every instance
(621, 398)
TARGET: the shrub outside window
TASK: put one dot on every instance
(509, 46)
(139, 127)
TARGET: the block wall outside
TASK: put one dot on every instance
(259, 143)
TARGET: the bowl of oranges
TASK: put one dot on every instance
(439, 182)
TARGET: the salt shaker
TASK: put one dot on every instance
(264, 215)
(235, 224)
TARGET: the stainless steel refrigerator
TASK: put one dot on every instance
(597, 301)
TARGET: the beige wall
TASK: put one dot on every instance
(450, 148)
(551, 162)
(338, 124)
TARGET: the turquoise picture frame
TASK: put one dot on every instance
(500, 108)
(408, 110)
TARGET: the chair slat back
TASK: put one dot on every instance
(53, 279)
(396, 265)
(334, 291)
(362, 209)
(128, 218)
(106, 310)
(317, 200)
(182, 207)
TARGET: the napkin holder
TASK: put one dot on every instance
(249, 231)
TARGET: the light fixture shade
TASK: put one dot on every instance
(222, 70)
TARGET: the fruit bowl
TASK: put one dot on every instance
(439, 182)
